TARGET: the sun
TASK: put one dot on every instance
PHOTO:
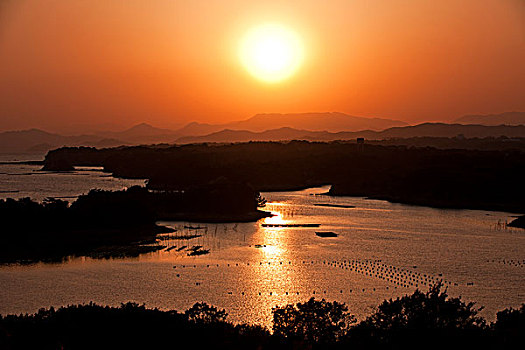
(271, 52)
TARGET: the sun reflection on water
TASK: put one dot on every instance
(273, 280)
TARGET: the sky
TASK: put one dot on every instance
(74, 65)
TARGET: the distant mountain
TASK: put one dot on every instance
(199, 129)
(508, 118)
(440, 130)
(330, 121)
(37, 141)
(227, 135)
(261, 127)
(142, 133)
(421, 130)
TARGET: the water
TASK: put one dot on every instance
(20, 180)
(383, 250)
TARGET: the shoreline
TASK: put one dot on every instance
(436, 204)
(141, 240)
(217, 218)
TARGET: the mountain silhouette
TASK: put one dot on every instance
(420, 130)
(508, 118)
(329, 121)
(37, 141)
(262, 127)
(227, 135)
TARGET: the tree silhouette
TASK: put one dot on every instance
(313, 321)
(431, 319)
(431, 310)
(510, 327)
(204, 313)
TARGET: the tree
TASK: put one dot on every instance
(511, 319)
(204, 313)
(313, 321)
(510, 327)
(431, 319)
(431, 310)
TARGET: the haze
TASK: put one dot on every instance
(72, 64)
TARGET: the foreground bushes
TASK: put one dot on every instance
(428, 320)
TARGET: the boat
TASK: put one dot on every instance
(326, 234)
(197, 252)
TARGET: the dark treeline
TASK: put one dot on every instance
(54, 229)
(452, 178)
(430, 320)
(502, 143)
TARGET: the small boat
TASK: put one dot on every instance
(326, 234)
(198, 252)
(260, 246)
(185, 237)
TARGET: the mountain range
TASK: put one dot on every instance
(420, 130)
(268, 127)
(507, 118)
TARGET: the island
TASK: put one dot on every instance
(420, 175)
(115, 223)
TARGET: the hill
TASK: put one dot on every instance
(38, 141)
(508, 118)
(420, 130)
(330, 121)
(280, 134)
(261, 127)
(142, 133)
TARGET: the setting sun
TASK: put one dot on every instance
(271, 52)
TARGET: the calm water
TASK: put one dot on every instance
(383, 250)
(18, 181)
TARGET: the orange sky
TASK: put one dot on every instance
(68, 63)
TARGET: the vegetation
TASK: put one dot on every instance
(52, 230)
(413, 320)
(130, 326)
(106, 223)
(428, 320)
(449, 178)
(313, 321)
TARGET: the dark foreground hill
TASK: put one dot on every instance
(449, 178)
